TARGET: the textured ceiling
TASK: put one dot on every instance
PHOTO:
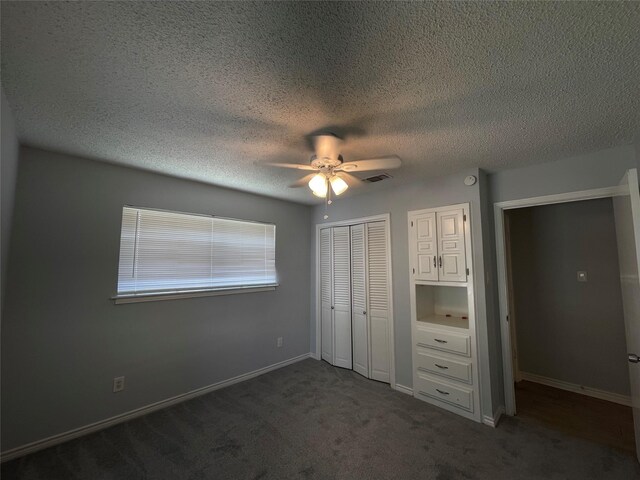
(208, 91)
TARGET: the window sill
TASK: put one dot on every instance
(178, 295)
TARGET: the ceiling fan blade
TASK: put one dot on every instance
(351, 180)
(327, 145)
(298, 166)
(382, 163)
(303, 182)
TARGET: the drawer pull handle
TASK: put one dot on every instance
(442, 391)
(441, 366)
(440, 341)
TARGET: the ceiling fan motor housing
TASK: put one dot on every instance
(325, 162)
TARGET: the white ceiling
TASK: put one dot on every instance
(208, 91)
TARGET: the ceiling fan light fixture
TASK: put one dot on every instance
(338, 185)
(318, 185)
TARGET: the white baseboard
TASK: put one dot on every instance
(403, 389)
(138, 412)
(492, 421)
(572, 387)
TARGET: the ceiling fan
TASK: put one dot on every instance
(331, 169)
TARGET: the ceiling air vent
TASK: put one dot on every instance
(377, 178)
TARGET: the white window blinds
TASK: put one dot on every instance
(164, 251)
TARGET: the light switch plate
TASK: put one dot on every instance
(118, 384)
(582, 276)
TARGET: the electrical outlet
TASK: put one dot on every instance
(118, 384)
(279, 342)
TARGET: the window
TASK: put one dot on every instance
(170, 252)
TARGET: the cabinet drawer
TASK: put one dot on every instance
(445, 392)
(445, 341)
(458, 370)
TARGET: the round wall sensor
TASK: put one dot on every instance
(470, 180)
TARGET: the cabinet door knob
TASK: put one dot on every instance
(440, 261)
(332, 307)
(364, 312)
(434, 261)
(633, 358)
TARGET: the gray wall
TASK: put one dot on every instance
(8, 173)
(398, 201)
(604, 168)
(569, 330)
(63, 340)
(491, 294)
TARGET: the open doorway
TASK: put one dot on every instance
(569, 300)
(567, 321)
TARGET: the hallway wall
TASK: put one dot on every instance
(569, 330)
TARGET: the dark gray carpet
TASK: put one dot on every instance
(310, 420)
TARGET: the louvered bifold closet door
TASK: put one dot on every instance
(326, 288)
(341, 297)
(379, 303)
(359, 301)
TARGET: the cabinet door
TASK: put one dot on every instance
(424, 247)
(326, 289)
(341, 297)
(378, 300)
(451, 250)
(359, 301)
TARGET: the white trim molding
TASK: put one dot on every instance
(492, 421)
(575, 388)
(138, 412)
(499, 209)
(560, 198)
(155, 297)
(403, 389)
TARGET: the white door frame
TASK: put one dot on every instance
(498, 210)
(386, 218)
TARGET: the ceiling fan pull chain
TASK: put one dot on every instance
(327, 200)
(326, 215)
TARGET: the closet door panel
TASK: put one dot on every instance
(451, 250)
(425, 239)
(341, 297)
(326, 289)
(378, 299)
(359, 301)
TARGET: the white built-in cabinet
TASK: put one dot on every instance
(438, 241)
(445, 369)
(355, 298)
